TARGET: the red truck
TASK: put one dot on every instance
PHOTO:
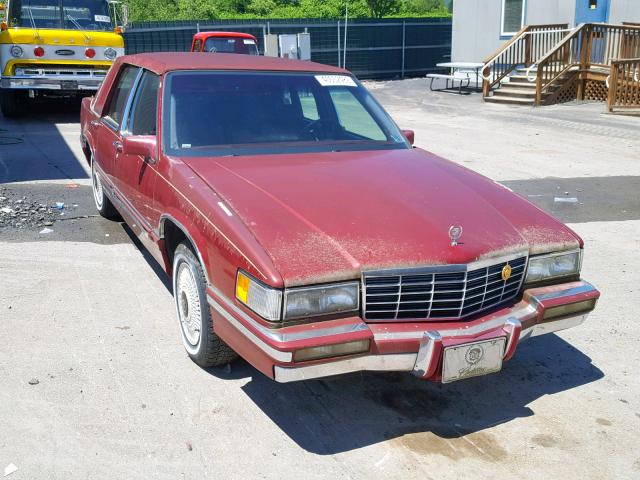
(225, 42)
(303, 231)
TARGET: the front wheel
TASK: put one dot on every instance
(204, 347)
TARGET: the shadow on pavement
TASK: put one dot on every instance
(33, 147)
(337, 415)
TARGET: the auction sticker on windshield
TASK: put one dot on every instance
(102, 18)
(335, 81)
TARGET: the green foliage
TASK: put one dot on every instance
(380, 8)
(150, 10)
(425, 7)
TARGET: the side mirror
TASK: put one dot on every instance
(409, 135)
(143, 145)
(125, 15)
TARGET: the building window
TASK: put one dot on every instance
(512, 16)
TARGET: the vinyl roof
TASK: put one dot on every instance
(164, 62)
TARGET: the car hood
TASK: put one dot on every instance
(329, 216)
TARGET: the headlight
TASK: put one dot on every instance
(321, 300)
(265, 301)
(555, 265)
(17, 51)
(298, 302)
(110, 53)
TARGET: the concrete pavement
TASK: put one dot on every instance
(90, 317)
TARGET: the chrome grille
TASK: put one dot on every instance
(441, 292)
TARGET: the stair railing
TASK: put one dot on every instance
(524, 49)
(590, 46)
(624, 84)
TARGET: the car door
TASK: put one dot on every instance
(136, 175)
(108, 140)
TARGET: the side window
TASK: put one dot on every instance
(145, 106)
(512, 16)
(120, 94)
(197, 46)
(308, 104)
(353, 117)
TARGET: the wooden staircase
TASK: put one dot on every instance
(547, 64)
(515, 89)
(519, 88)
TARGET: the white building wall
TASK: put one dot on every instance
(624, 11)
(476, 29)
(476, 23)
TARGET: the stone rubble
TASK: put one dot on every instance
(23, 212)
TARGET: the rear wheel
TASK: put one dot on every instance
(103, 204)
(196, 325)
(12, 102)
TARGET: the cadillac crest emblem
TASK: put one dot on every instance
(506, 272)
(455, 232)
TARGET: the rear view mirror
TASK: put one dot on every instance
(409, 135)
(143, 145)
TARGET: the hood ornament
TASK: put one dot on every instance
(455, 232)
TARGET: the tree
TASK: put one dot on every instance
(380, 8)
(196, 9)
(261, 7)
(424, 7)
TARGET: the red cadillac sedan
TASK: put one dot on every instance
(305, 233)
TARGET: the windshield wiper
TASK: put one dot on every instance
(78, 26)
(33, 20)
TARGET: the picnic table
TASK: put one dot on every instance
(456, 66)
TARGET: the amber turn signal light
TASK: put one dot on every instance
(570, 309)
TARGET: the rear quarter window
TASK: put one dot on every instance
(120, 94)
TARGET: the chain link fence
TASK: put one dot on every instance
(375, 49)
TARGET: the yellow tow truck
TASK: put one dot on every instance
(56, 47)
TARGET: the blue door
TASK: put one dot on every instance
(592, 11)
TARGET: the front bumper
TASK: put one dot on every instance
(412, 347)
(72, 81)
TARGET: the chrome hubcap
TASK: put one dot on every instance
(189, 311)
(97, 188)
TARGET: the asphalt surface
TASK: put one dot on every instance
(94, 382)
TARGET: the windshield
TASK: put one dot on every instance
(247, 113)
(67, 14)
(245, 46)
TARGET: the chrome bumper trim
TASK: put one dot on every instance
(278, 335)
(404, 362)
(272, 352)
(401, 362)
(476, 329)
(50, 83)
(554, 326)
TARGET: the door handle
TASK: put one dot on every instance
(94, 123)
(118, 146)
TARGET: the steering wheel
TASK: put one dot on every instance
(312, 129)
